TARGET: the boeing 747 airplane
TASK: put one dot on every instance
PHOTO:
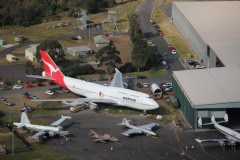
(114, 94)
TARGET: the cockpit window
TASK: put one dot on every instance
(150, 97)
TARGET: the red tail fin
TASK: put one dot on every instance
(51, 69)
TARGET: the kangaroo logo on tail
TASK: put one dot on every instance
(52, 69)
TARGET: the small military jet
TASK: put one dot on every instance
(102, 138)
(232, 137)
(146, 129)
(51, 130)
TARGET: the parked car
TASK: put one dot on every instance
(199, 66)
(102, 78)
(129, 77)
(151, 20)
(51, 83)
(161, 33)
(192, 62)
(8, 103)
(30, 86)
(145, 85)
(41, 84)
(168, 89)
(3, 99)
(50, 92)
(150, 43)
(17, 87)
(166, 85)
(27, 108)
(79, 37)
(32, 97)
(141, 77)
(26, 94)
(174, 52)
(139, 85)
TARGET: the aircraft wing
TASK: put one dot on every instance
(97, 100)
(60, 120)
(117, 79)
(148, 126)
(131, 131)
(40, 77)
(39, 134)
(211, 140)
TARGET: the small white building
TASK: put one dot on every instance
(11, 58)
(30, 53)
(78, 50)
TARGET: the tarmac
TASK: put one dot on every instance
(171, 144)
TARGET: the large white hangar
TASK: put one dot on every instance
(202, 93)
(212, 29)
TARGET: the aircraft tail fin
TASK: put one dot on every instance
(124, 122)
(24, 119)
(51, 70)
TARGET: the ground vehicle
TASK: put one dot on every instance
(50, 92)
(139, 85)
(79, 37)
(192, 62)
(161, 33)
(51, 83)
(151, 20)
(30, 86)
(129, 77)
(165, 64)
(166, 85)
(168, 89)
(150, 43)
(102, 79)
(8, 103)
(141, 77)
(174, 53)
(145, 85)
(17, 87)
(3, 99)
(78, 107)
(27, 108)
(32, 97)
(199, 66)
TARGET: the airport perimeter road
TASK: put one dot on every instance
(172, 144)
(144, 11)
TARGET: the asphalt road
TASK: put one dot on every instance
(144, 11)
(169, 145)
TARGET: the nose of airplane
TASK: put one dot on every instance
(154, 104)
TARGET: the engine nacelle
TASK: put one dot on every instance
(51, 134)
(232, 143)
(93, 106)
(60, 128)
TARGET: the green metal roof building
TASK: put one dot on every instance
(207, 92)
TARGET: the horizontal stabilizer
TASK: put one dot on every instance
(198, 140)
(40, 77)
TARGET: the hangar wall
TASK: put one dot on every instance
(190, 34)
(185, 105)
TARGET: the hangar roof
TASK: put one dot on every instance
(205, 88)
(217, 22)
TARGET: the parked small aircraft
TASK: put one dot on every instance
(232, 137)
(51, 130)
(114, 94)
(102, 138)
(146, 129)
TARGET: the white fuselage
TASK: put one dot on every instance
(229, 133)
(33, 127)
(145, 131)
(123, 97)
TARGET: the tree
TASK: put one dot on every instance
(109, 57)
(29, 67)
(53, 48)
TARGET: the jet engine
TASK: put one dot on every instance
(221, 143)
(51, 134)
